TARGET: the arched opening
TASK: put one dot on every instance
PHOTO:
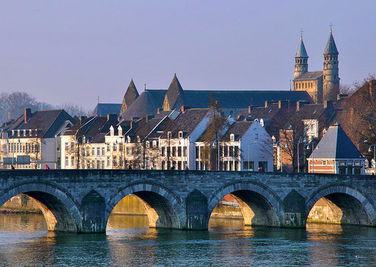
(243, 208)
(129, 213)
(147, 206)
(339, 208)
(20, 201)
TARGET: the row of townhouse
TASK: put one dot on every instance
(168, 140)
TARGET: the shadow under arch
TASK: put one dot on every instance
(355, 207)
(163, 208)
(258, 204)
(59, 210)
(93, 208)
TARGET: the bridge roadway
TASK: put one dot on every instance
(82, 200)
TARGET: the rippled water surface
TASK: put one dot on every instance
(25, 241)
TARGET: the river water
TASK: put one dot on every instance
(24, 241)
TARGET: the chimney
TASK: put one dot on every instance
(328, 104)
(282, 104)
(182, 109)
(27, 114)
(372, 87)
(338, 97)
(158, 110)
(249, 109)
(266, 103)
(111, 116)
(297, 105)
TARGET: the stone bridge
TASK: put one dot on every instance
(82, 200)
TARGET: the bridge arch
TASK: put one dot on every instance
(59, 210)
(259, 204)
(164, 209)
(355, 207)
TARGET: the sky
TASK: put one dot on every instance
(80, 51)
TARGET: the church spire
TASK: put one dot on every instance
(301, 59)
(331, 48)
(129, 97)
(331, 70)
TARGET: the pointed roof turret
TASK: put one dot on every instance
(301, 49)
(129, 97)
(175, 96)
(335, 144)
(331, 48)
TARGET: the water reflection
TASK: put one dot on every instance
(25, 241)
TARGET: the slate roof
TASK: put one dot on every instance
(315, 111)
(335, 144)
(145, 127)
(301, 52)
(147, 103)
(102, 109)
(48, 122)
(174, 95)
(186, 122)
(311, 75)
(129, 97)
(93, 128)
(238, 128)
(331, 48)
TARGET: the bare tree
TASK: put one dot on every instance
(213, 133)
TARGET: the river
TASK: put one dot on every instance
(24, 241)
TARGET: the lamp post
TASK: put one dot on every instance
(374, 154)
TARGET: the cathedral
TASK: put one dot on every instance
(320, 85)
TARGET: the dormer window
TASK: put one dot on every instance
(232, 137)
(18, 133)
(31, 132)
(24, 132)
(154, 143)
(147, 144)
(128, 139)
(138, 139)
(120, 131)
(180, 134)
(111, 131)
(169, 135)
(12, 132)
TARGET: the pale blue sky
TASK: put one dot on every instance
(74, 51)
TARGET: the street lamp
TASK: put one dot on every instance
(374, 154)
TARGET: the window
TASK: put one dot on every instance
(121, 147)
(173, 151)
(324, 162)
(72, 161)
(185, 151)
(232, 137)
(179, 151)
(114, 161)
(163, 165)
(180, 134)
(263, 166)
(163, 151)
(248, 165)
(236, 151)
(169, 135)
(102, 151)
(66, 163)
(108, 147)
(197, 152)
(179, 165)
(98, 164)
(66, 146)
(154, 143)
(93, 151)
(231, 150)
(114, 147)
(72, 146)
(108, 162)
(98, 151)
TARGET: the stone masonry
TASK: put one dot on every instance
(82, 200)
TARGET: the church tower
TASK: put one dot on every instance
(330, 71)
(301, 60)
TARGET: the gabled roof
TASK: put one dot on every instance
(301, 52)
(186, 122)
(129, 97)
(146, 104)
(102, 109)
(311, 75)
(238, 128)
(331, 48)
(335, 144)
(175, 96)
(47, 122)
(93, 128)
